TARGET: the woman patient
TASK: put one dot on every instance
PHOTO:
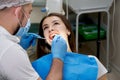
(76, 66)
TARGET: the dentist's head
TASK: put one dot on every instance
(15, 14)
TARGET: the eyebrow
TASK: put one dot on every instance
(44, 25)
(47, 24)
(55, 21)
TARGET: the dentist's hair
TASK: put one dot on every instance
(42, 47)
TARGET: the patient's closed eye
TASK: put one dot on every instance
(45, 27)
(56, 23)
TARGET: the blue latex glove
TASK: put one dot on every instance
(28, 39)
(59, 47)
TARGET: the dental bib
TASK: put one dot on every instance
(76, 67)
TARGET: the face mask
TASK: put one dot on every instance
(24, 30)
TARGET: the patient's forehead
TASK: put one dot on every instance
(52, 18)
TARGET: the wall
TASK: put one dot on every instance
(115, 30)
(37, 15)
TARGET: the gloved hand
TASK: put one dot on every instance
(28, 39)
(59, 47)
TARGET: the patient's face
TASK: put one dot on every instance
(52, 26)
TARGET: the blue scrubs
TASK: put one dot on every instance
(76, 67)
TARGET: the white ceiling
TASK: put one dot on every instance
(39, 3)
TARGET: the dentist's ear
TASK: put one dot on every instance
(17, 12)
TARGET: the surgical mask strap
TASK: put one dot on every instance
(20, 23)
(24, 13)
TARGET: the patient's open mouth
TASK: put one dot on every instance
(52, 35)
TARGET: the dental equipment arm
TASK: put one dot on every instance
(53, 6)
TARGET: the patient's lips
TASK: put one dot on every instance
(52, 35)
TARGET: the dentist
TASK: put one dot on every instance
(14, 61)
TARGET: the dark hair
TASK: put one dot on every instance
(42, 47)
